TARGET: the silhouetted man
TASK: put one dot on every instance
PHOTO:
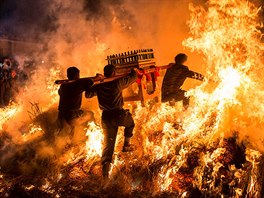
(71, 98)
(111, 102)
(5, 80)
(174, 79)
(10, 87)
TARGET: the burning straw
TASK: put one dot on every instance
(214, 148)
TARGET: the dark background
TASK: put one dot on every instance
(24, 17)
(30, 18)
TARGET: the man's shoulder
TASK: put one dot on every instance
(70, 85)
(83, 81)
(176, 67)
(184, 67)
(63, 86)
(106, 84)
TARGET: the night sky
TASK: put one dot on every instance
(21, 18)
(18, 18)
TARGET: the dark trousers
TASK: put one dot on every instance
(69, 118)
(5, 93)
(111, 120)
(176, 96)
(2, 94)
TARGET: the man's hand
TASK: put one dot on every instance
(135, 69)
(99, 77)
(171, 64)
(138, 71)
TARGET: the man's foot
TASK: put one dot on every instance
(172, 103)
(177, 125)
(106, 169)
(128, 148)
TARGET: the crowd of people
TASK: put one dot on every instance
(11, 80)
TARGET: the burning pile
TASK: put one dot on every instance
(213, 149)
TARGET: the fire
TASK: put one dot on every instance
(195, 149)
(95, 140)
(34, 132)
(228, 37)
(231, 80)
(7, 113)
(54, 73)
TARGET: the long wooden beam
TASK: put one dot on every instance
(104, 80)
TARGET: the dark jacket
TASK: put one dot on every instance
(175, 77)
(71, 94)
(110, 94)
(5, 75)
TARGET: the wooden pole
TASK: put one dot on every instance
(148, 70)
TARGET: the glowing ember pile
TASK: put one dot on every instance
(212, 149)
(7, 113)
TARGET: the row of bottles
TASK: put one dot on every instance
(130, 56)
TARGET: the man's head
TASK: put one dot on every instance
(180, 58)
(109, 70)
(73, 73)
(7, 62)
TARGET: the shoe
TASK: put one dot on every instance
(128, 148)
(177, 125)
(106, 169)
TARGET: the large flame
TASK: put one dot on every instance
(95, 140)
(227, 34)
(179, 151)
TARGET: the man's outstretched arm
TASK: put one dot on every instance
(91, 90)
(195, 75)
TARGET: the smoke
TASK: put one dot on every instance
(83, 33)
(26, 19)
(68, 28)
